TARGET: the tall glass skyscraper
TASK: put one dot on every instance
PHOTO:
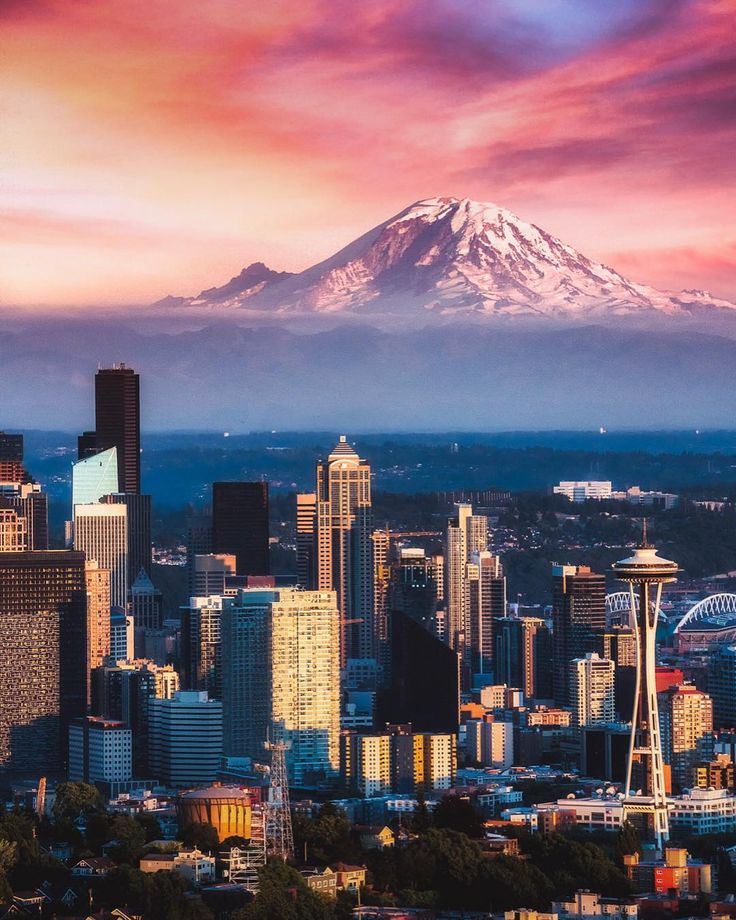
(95, 476)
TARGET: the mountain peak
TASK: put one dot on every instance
(447, 256)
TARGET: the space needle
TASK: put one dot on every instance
(645, 572)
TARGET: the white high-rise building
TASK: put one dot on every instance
(280, 667)
(592, 695)
(101, 532)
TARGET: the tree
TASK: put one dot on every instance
(628, 841)
(458, 814)
(284, 894)
(130, 838)
(202, 836)
(8, 854)
(421, 819)
(73, 799)
(151, 826)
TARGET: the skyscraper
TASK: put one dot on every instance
(31, 503)
(201, 648)
(280, 666)
(686, 719)
(485, 606)
(117, 422)
(13, 531)
(101, 533)
(344, 547)
(643, 571)
(139, 530)
(523, 653)
(94, 476)
(306, 529)
(240, 524)
(43, 656)
(592, 690)
(467, 533)
(578, 617)
(381, 582)
(97, 583)
(11, 458)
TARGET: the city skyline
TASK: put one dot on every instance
(171, 139)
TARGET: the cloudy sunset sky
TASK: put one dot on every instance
(157, 146)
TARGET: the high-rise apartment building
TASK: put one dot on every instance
(485, 606)
(201, 649)
(240, 524)
(95, 476)
(467, 533)
(578, 617)
(686, 720)
(366, 764)
(185, 738)
(101, 533)
(523, 656)
(280, 667)
(490, 743)
(117, 422)
(43, 656)
(344, 549)
(381, 585)
(592, 690)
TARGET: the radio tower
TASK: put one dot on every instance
(279, 833)
(646, 572)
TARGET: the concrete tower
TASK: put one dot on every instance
(646, 572)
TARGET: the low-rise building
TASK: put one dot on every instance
(677, 872)
(349, 878)
(587, 904)
(157, 862)
(703, 811)
(196, 867)
(376, 838)
(323, 881)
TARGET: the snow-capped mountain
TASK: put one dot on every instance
(451, 257)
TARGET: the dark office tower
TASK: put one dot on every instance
(200, 663)
(240, 524)
(578, 618)
(523, 653)
(117, 421)
(11, 458)
(199, 541)
(43, 656)
(87, 445)
(415, 585)
(27, 499)
(425, 679)
(306, 534)
(139, 530)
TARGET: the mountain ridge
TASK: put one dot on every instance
(446, 258)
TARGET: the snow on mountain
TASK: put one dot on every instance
(452, 257)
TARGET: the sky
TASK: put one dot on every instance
(153, 147)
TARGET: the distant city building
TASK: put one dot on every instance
(703, 811)
(686, 720)
(467, 533)
(101, 533)
(306, 534)
(100, 751)
(117, 424)
(722, 685)
(139, 530)
(677, 873)
(605, 751)
(343, 546)
(185, 738)
(122, 635)
(280, 667)
(94, 476)
(43, 656)
(31, 503)
(718, 773)
(424, 687)
(13, 531)
(486, 606)
(578, 617)
(211, 571)
(97, 584)
(240, 524)
(145, 602)
(199, 541)
(490, 743)
(201, 649)
(583, 490)
(592, 690)
(381, 540)
(523, 655)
